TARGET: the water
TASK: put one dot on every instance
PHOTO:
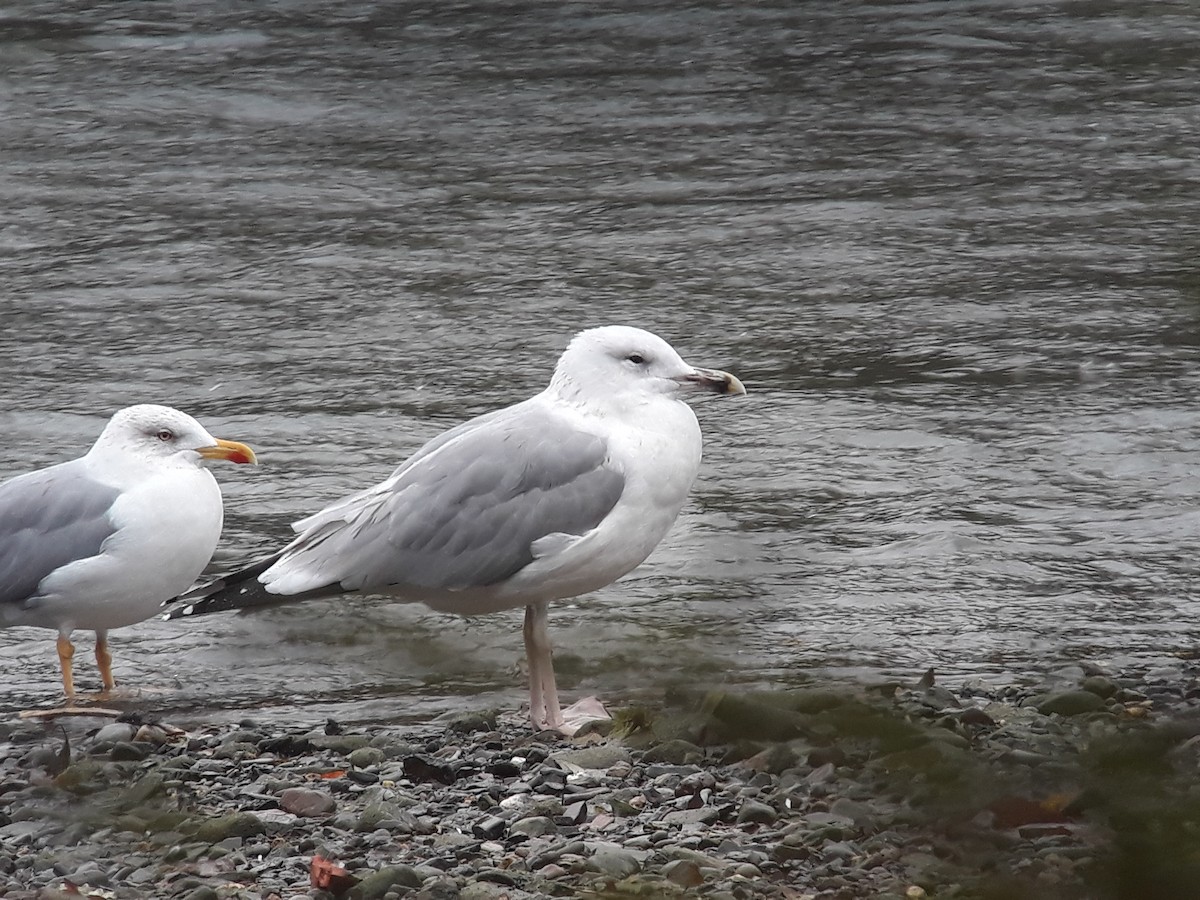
(951, 249)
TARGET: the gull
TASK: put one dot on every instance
(551, 498)
(101, 541)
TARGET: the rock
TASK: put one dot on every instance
(675, 751)
(616, 863)
(600, 756)
(469, 722)
(339, 743)
(1070, 703)
(753, 811)
(534, 826)
(684, 873)
(365, 756)
(237, 824)
(1100, 686)
(774, 759)
(490, 828)
(376, 885)
(705, 815)
(306, 802)
(202, 893)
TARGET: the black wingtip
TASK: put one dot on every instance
(239, 590)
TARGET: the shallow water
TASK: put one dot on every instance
(951, 248)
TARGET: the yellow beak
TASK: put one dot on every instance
(229, 450)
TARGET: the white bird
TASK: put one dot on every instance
(102, 541)
(551, 498)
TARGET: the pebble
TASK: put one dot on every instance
(484, 808)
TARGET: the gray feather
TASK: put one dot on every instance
(48, 519)
(466, 510)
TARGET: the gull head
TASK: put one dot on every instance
(618, 361)
(154, 433)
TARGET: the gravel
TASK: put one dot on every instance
(1083, 786)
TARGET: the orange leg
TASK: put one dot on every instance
(104, 661)
(66, 650)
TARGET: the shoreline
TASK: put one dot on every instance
(1084, 787)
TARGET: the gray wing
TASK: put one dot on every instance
(49, 518)
(465, 510)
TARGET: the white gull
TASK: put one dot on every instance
(101, 541)
(551, 498)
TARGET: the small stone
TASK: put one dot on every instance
(599, 756)
(365, 756)
(574, 814)
(677, 752)
(1100, 686)
(489, 828)
(705, 815)
(377, 885)
(1070, 703)
(684, 873)
(616, 863)
(469, 722)
(306, 802)
(534, 826)
(753, 811)
(125, 751)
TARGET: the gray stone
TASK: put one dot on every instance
(306, 802)
(674, 751)
(365, 756)
(753, 811)
(683, 872)
(238, 824)
(1070, 703)
(378, 884)
(534, 826)
(1100, 686)
(600, 756)
(705, 815)
(616, 863)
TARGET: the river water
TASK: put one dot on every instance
(950, 247)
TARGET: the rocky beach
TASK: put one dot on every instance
(1081, 786)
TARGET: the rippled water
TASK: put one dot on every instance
(951, 248)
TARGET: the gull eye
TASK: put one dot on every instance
(636, 358)
(165, 434)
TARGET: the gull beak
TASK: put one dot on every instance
(713, 380)
(231, 451)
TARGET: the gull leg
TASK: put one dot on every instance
(66, 650)
(543, 692)
(104, 661)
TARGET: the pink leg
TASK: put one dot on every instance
(543, 692)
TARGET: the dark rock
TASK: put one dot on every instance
(286, 745)
(1070, 703)
(1100, 686)
(684, 873)
(753, 811)
(237, 824)
(376, 885)
(674, 751)
(420, 768)
(503, 768)
(574, 814)
(490, 828)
